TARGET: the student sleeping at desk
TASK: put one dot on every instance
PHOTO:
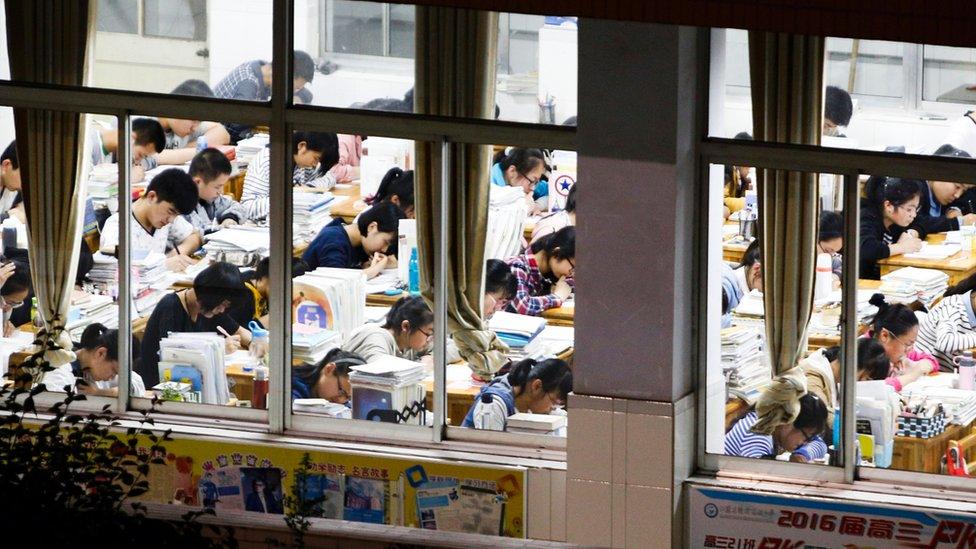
(203, 308)
(329, 379)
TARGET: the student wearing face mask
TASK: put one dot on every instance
(359, 245)
(530, 386)
(896, 328)
(888, 223)
(544, 272)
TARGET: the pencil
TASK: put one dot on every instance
(223, 331)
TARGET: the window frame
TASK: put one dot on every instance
(282, 117)
(141, 25)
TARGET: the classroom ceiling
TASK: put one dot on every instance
(949, 22)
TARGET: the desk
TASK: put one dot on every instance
(733, 251)
(957, 266)
(561, 316)
(815, 341)
(925, 454)
(347, 208)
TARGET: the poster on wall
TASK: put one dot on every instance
(431, 494)
(744, 519)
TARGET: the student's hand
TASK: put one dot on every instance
(232, 343)
(8, 329)
(137, 174)
(6, 271)
(562, 289)
(376, 264)
(968, 219)
(909, 242)
(797, 458)
(228, 222)
(178, 263)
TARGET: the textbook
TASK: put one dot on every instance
(909, 284)
(535, 423)
(330, 298)
(516, 330)
(311, 212)
(202, 353)
(310, 344)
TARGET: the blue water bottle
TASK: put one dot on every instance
(414, 273)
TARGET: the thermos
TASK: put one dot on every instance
(966, 366)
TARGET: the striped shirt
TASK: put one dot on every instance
(255, 195)
(949, 327)
(741, 441)
(533, 294)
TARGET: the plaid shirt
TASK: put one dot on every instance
(245, 82)
(533, 295)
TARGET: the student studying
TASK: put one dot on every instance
(887, 222)
(328, 379)
(147, 139)
(11, 202)
(347, 169)
(822, 369)
(739, 281)
(359, 245)
(202, 308)
(97, 363)
(896, 328)
(169, 196)
(396, 187)
(544, 272)
(500, 287)
(530, 386)
(830, 241)
(521, 168)
(406, 333)
(838, 110)
(950, 326)
(14, 291)
(182, 135)
(210, 171)
(935, 214)
(313, 154)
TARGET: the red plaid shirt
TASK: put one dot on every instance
(534, 293)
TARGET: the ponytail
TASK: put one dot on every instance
(97, 335)
(396, 182)
(413, 309)
(553, 372)
(897, 319)
(897, 191)
(965, 285)
(558, 245)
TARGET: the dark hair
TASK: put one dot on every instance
(897, 319)
(218, 283)
(408, 99)
(963, 286)
(895, 190)
(304, 66)
(831, 226)
(343, 360)
(948, 150)
(10, 153)
(19, 281)
(387, 216)
(838, 107)
(209, 164)
(499, 278)
(871, 357)
(553, 372)
(571, 200)
(558, 245)
(413, 309)
(193, 86)
(396, 182)
(97, 335)
(323, 142)
(725, 302)
(813, 413)
(149, 132)
(524, 160)
(752, 255)
(387, 104)
(176, 187)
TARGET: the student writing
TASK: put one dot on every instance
(202, 308)
(896, 328)
(543, 273)
(210, 171)
(530, 386)
(500, 287)
(887, 223)
(328, 379)
(935, 215)
(407, 332)
(359, 245)
(822, 370)
(169, 196)
(521, 168)
(182, 135)
(950, 326)
(147, 139)
(97, 363)
(313, 153)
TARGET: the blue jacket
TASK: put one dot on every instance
(498, 178)
(332, 248)
(732, 292)
(498, 387)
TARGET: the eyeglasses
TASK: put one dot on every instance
(4, 304)
(898, 339)
(555, 400)
(532, 182)
(429, 336)
(910, 209)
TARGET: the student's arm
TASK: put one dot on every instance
(938, 224)
(215, 133)
(176, 156)
(108, 242)
(949, 335)
(247, 90)
(525, 303)
(190, 244)
(254, 197)
(813, 450)
(309, 177)
(227, 209)
(18, 213)
(183, 236)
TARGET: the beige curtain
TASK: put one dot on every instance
(46, 44)
(460, 83)
(786, 72)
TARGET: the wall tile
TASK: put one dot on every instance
(557, 511)
(618, 508)
(539, 491)
(648, 517)
(589, 444)
(618, 453)
(649, 450)
(588, 512)
(587, 402)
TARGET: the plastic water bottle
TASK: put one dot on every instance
(414, 273)
(823, 282)
(259, 343)
(967, 368)
(201, 143)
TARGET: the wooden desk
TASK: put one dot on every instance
(733, 251)
(561, 316)
(347, 208)
(925, 454)
(957, 266)
(815, 342)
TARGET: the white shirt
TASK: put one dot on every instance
(962, 135)
(141, 241)
(135, 381)
(740, 279)
(56, 379)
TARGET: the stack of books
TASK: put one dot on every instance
(311, 213)
(246, 148)
(517, 331)
(310, 344)
(909, 284)
(105, 273)
(88, 309)
(389, 389)
(241, 246)
(744, 364)
(536, 424)
(331, 299)
(103, 183)
(750, 311)
(150, 282)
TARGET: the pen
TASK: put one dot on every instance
(222, 330)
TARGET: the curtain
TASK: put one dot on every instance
(47, 44)
(786, 72)
(460, 83)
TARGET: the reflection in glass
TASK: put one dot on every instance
(183, 19)
(118, 16)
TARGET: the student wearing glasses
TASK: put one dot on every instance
(896, 328)
(530, 386)
(544, 272)
(521, 168)
(407, 332)
(329, 379)
(888, 222)
(830, 241)
(15, 277)
(785, 418)
(500, 287)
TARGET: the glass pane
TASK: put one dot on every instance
(402, 25)
(877, 72)
(356, 238)
(948, 74)
(184, 19)
(743, 391)
(357, 27)
(118, 16)
(528, 300)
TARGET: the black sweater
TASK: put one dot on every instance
(873, 246)
(924, 219)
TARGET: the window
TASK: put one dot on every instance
(186, 19)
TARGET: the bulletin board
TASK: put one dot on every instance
(431, 494)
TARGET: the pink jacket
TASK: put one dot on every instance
(350, 151)
(912, 354)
